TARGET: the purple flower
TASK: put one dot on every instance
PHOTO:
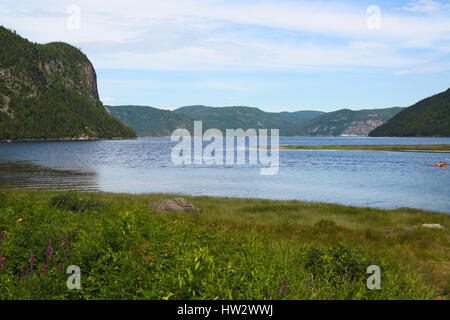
(123, 291)
(280, 292)
(18, 277)
(285, 283)
(31, 261)
(44, 268)
(328, 298)
(22, 271)
(2, 262)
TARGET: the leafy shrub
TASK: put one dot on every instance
(335, 263)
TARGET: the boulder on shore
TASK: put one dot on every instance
(172, 205)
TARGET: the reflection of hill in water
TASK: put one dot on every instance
(25, 174)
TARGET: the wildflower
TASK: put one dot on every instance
(285, 283)
(31, 261)
(49, 252)
(2, 263)
(22, 271)
(18, 277)
(328, 298)
(280, 292)
(20, 220)
(44, 268)
(123, 291)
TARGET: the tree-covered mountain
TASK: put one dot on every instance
(347, 122)
(428, 117)
(150, 122)
(302, 116)
(50, 92)
(239, 117)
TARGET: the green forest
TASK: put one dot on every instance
(429, 117)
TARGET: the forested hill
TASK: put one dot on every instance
(428, 117)
(240, 117)
(148, 121)
(50, 92)
(151, 122)
(347, 122)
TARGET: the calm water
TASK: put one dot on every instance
(362, 178)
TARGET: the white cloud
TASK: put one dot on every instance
(424, 6)
(425, 69)
(210, 35)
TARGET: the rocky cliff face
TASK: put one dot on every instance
(49, 92)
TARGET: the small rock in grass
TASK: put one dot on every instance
(433, 226)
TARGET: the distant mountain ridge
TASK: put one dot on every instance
(49, 91)
(239, 117)
(148, 121)
(347, 122)
(428, 117)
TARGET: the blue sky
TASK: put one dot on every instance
(276, 55)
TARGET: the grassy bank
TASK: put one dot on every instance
(232, 249)
(409, 147)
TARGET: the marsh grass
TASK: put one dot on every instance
(411, 148)
(233, 249)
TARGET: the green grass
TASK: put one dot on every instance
(232, 249)
(409, 147)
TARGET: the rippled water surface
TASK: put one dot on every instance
(362, 178)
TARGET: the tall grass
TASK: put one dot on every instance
(233, 249)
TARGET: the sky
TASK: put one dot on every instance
(278, 55)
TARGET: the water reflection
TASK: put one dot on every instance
(26, 174)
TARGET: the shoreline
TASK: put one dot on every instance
(299, 201)
(64, 139)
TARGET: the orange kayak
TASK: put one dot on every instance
(442, 164)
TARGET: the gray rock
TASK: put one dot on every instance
(172, 205)
(433, 226)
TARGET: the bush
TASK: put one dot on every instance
(335, 263)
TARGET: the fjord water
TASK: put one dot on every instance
(361, 178)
